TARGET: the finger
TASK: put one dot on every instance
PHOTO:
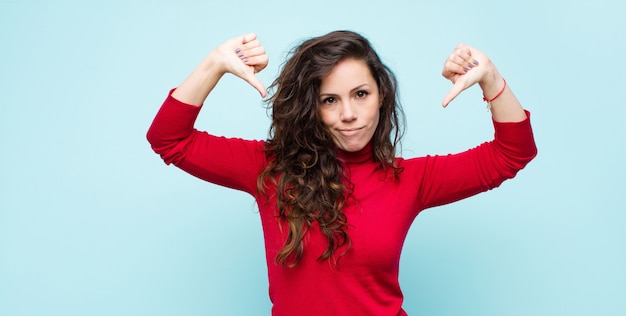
(258, 62)
(251, 45)
(463, 56)
(249, 37)
(457, 59)
(257, 84)
(451, 69)
(463, 51)
(256, 51)
(456, 89)
(455, 63)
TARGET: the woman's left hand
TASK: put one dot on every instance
(465, 67)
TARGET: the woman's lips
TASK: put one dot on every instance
(349, 131)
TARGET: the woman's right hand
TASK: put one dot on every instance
(244, 56)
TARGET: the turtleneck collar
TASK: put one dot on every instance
(356, 157)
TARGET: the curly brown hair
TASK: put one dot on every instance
(309, 179)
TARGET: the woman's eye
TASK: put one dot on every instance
(361, 94)
(328, 100)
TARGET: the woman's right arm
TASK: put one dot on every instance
(229, 162)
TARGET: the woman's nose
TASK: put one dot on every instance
(348, 112)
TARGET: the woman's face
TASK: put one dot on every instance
(349, 104)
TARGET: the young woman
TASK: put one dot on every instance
(335, 201)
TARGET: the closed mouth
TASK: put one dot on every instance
(349, 131)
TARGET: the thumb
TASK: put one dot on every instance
(456, 89)
(256, 83)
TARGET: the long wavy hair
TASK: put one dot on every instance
(311, 185)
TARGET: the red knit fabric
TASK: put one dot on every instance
(380, 209)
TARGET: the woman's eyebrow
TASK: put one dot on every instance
(359, 87)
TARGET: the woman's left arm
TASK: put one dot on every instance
(449, 178)
(467, 66)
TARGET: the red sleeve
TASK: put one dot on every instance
(231, 162)
(445, 179)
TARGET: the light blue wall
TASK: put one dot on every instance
(93, 223)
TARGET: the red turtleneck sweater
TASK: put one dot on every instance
(380, 210)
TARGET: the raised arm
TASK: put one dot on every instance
(450, 178)
(467, 66)
(242, 56)
(230, 162)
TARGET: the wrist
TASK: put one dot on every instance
(491, 83)
(213, 64)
